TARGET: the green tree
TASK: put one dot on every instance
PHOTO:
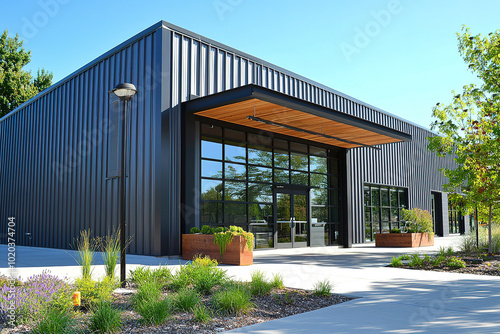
(17, 85)
(469, 128)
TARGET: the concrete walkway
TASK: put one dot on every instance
(393, 300)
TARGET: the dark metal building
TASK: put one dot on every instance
(217, 137)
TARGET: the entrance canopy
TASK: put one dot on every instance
(267, 110)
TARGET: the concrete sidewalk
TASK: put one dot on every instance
(393, 300)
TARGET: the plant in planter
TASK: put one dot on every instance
(418, 228)
(231, 246)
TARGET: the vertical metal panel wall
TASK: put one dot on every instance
(202, 67)
(53, 154)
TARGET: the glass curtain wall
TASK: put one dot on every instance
(454, 217)
(239, 171)
(383, 207)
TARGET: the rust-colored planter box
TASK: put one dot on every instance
(403, 239)
(237, 251)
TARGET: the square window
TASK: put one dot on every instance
(211, 213)
(260, 192)
(235, 191)
(235, 171)
(235, 152)
(211, 148)
(300, 178)
(211, 190)
(235, 213)
(211, 169)
(281, 176)
(260, 174)
(281, 159)
(260, 156)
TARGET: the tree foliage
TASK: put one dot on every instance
(17, 85)
(469, 126)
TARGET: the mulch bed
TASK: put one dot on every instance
(488, 265)
(279, 304)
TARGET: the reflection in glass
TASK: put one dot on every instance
(211, 169)
(235, 191)
(334, 196)
(236, 135)
(317, 151)
(283, 207)
(211, 213)
(235, 171)
(385, 227)
(376, 214)
(385, 196)
(235, 152)
(211, 148)
(319, 165)
(299, 161)
(334, 181)
(402, 198)
(385, 214)
(211, 190)
(300, 178)
(261, 139)
(319, 214)
(300, 215)
(298, 147)
(235, 213)
(368, 232)
(260, 174)
(366, 190)
(394, 214)
(375, 196)
(260, 156)
(368, 214)
(261, 225)
(319, 196)
(258, 192)
(394, 198)
(334, 214)
(281, 176)
(319, 180)
(281, 159)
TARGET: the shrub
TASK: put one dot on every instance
(205, 229)
(36, 296)
(438, 260)
(427, 259)
(202, 273)
(454, 262)
(93, 291)
(396, 262)
(277, 281)
(54, 321)
(85, 252)
(468, 244)
(154, 311)
(416, 261)
(186, 299)
(194, 230)
(110, 247)
(201, 313)
(219, 229)
(396, 230)
(105, 318)
(446, 251)
(233, 300)
(149, 290)
(323, 288)
(418, 221)
(259, 286)
(162, 275)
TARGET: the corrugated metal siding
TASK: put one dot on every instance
(53, 174)
(220, 68)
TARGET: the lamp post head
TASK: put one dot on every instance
(124, 91)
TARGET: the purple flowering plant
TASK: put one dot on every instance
(34, 297)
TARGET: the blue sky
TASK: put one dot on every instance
(398, 55)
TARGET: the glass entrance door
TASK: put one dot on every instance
(292, 222)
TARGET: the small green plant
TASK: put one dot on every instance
(219, 229)
(154, 311)
(234, 300)
(205, 229)
(162, 275)
(205, 261)
(85, 247)
(54, 322)
(259, 286)
(194, 230)
(396, 230)
(438, 260)
(149, 290)
(203, 274)
(427, 259)
(110, 247)
(418, 221)
(405, 257)
(289, 298)
(105, 318)
(323, 288)
(201, 313)
(277, 281)
(396, 262)
(93, 291)
(446, 251)
(416, 261)
(454, 262)
(186, 299)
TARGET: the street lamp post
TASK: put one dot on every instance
(125, 92)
